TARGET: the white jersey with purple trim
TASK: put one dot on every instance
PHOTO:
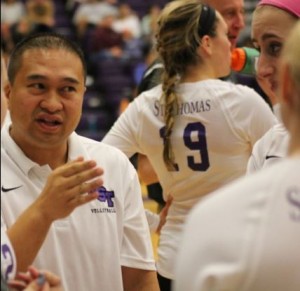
(216, 126)
(269, 149)
(246, 235)
(87, 248)
(8, 259)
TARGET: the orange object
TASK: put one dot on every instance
(238, 59)
(244, 60)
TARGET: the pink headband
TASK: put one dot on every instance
(292, 6)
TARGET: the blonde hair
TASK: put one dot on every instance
(291, 53)
(178, 38)
(291, 56)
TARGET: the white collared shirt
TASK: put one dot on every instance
(87, 248)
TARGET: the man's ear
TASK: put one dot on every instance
(7, 91)
(206, 45)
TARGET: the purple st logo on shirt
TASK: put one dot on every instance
(105, 195)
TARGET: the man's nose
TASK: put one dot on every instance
(52, 102)
(239, 20)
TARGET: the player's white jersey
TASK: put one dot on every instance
(246, 235)
(269, 149)
(216, 126)
(87, 248)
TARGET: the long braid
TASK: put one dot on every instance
(170, 97)
(178, 39)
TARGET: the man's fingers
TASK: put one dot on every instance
(89, 187)
(26, 277)
(16, 285)
(34, 272)
(74, 167)
(51, 278)
(87, 192)
(77, 179)
(83, 199)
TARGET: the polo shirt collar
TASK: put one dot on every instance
(76, 148)
(24, 163)
(14, 151)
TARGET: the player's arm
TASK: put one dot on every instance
(145, 170)
(139, 280)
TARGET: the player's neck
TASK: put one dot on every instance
(198, 73)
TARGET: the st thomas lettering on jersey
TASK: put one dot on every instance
(184, 108)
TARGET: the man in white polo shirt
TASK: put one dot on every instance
(104, 244)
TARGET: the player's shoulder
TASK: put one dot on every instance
(245, 190)
(233, 90)
(244, 91)
(152, 93)
(267, 139)
(148, 97)
(276, 132)
(278, 129)
(276, 136)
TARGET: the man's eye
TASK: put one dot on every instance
(230, 14)
(38, 86)
(68, 89)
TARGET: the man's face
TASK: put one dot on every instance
(45, 99)
(233, 14)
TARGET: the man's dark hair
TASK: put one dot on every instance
(46, 41)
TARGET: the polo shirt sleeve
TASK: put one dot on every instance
(136, 248)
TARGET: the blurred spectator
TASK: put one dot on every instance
(12, 11)
(149, 55)
(127, 21)
(41, 12)
(132, 47)
(90, 13)
(105, 42)
(39, 18)
(149, 21)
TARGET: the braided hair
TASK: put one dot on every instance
(181, 26)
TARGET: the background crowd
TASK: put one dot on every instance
(119, 40)
(116, 36)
